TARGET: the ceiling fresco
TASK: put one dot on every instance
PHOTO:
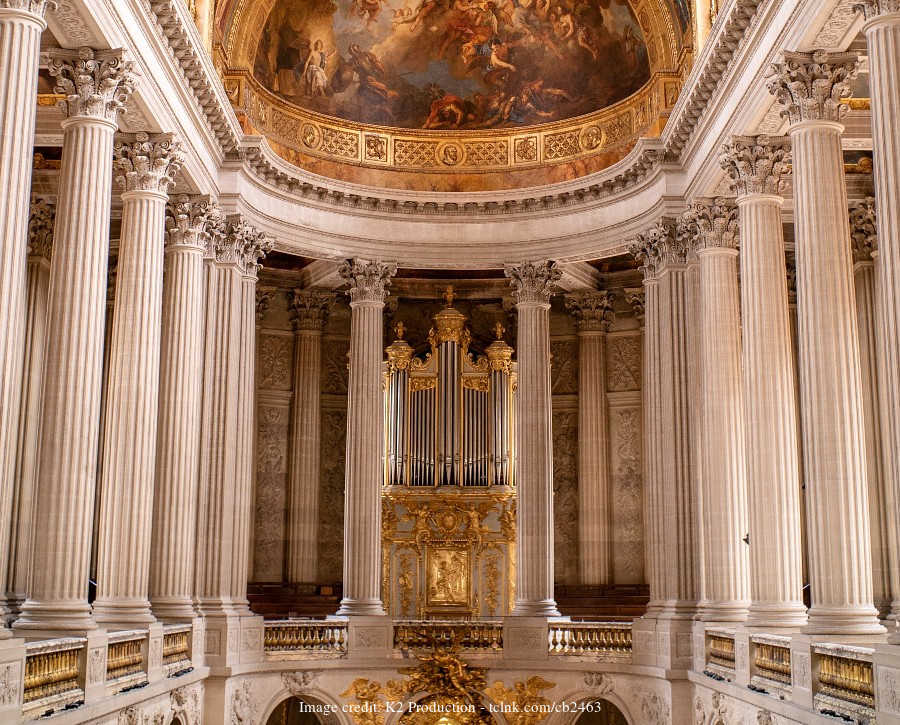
(452, 64)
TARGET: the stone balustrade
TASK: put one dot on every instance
(176, 649)
(720, 660)
(52, 676)
(306, 636)
(846, 682)
(125, 663)
(771, 662)
(590, 638)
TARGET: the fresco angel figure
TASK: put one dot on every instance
(314, 70)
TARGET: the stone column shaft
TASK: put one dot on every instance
(180, 393)
(132, 395)
(883, 39)
(311, 309)
(38, 286)
(724, 513)
(534, 441)
(830, 380)
(757, 165)
(593, 313)
(365, 439)
(21, 25)
(57, 598)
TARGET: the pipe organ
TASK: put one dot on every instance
(448, 519)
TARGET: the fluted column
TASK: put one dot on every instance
(310, 308)
(254, 246)
(132, 393)
(40, 239)
(810, 86)
(757, 166)
(593, 316)
(174, 536)
(365, 438)
(96, 86)
(647, 250)
(21, 25)
(882, 31)
(865, 250)
(723, 480)
(532, 284)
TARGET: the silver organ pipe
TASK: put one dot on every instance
(449, 413)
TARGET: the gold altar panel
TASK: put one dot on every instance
(448, 581)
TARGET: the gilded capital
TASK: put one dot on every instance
(634, 296)
(593, 311)
(756, 164)
(811, 86)
(95, 83)
(40, 229)
(147, 164)
(714, 223)
(311, 308)
(863, 229)
(533, 281)
(872, 9)
(189, 221)
(367, 280)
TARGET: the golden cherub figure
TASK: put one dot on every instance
(401, 329)
(449, 296)
(499, 329)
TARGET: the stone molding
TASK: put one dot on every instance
(872, 9)
(863, 229)
(40, 229)
(811, 86)
(311, 308)
(189, 221)
(593, 311)
(96, 84)
(148, 164)
(533, 281)
(713, 223)
(367, 279)
(757, 164)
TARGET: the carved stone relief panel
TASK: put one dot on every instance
(274, 366)
(334, 365)
(271, 471)
(627, 495)
(564, 366)
(331, 495)
(624, 363)
(565, 496)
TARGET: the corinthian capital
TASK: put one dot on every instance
(189, 220)
(665, 243)
(533, 281)
(311, 308)
(714, 223)
(872, 9)
(811, 85)
(147, 164)
(863, 229)
(756, 164)
(35, 7)
(367, 280)
(40, 229)
(236, 241)
(95, 83)
(593, 311)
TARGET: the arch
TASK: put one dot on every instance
(175, 721)
(583, 698)
(314, 698)
(602, 712)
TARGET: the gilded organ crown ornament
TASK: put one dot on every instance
(40, 229)
(148, 164)
(189, 220)
(593, 311)
(533, 282)
(811, 86)
(311, 308)
(367, 279)
(449, 324)
(713, 223)
(95, 83)
(756, 164)
(399, 352)
(863, 229)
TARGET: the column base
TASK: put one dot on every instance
(361, 608)
(122, 613)
(843, 621)
(724, 612)
(54, 620)
(768, 617)
(173, 609)
(535, 608)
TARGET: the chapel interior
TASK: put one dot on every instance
(450, 362)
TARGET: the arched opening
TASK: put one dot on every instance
(297, 711)
(601, 712)
(175, 721)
